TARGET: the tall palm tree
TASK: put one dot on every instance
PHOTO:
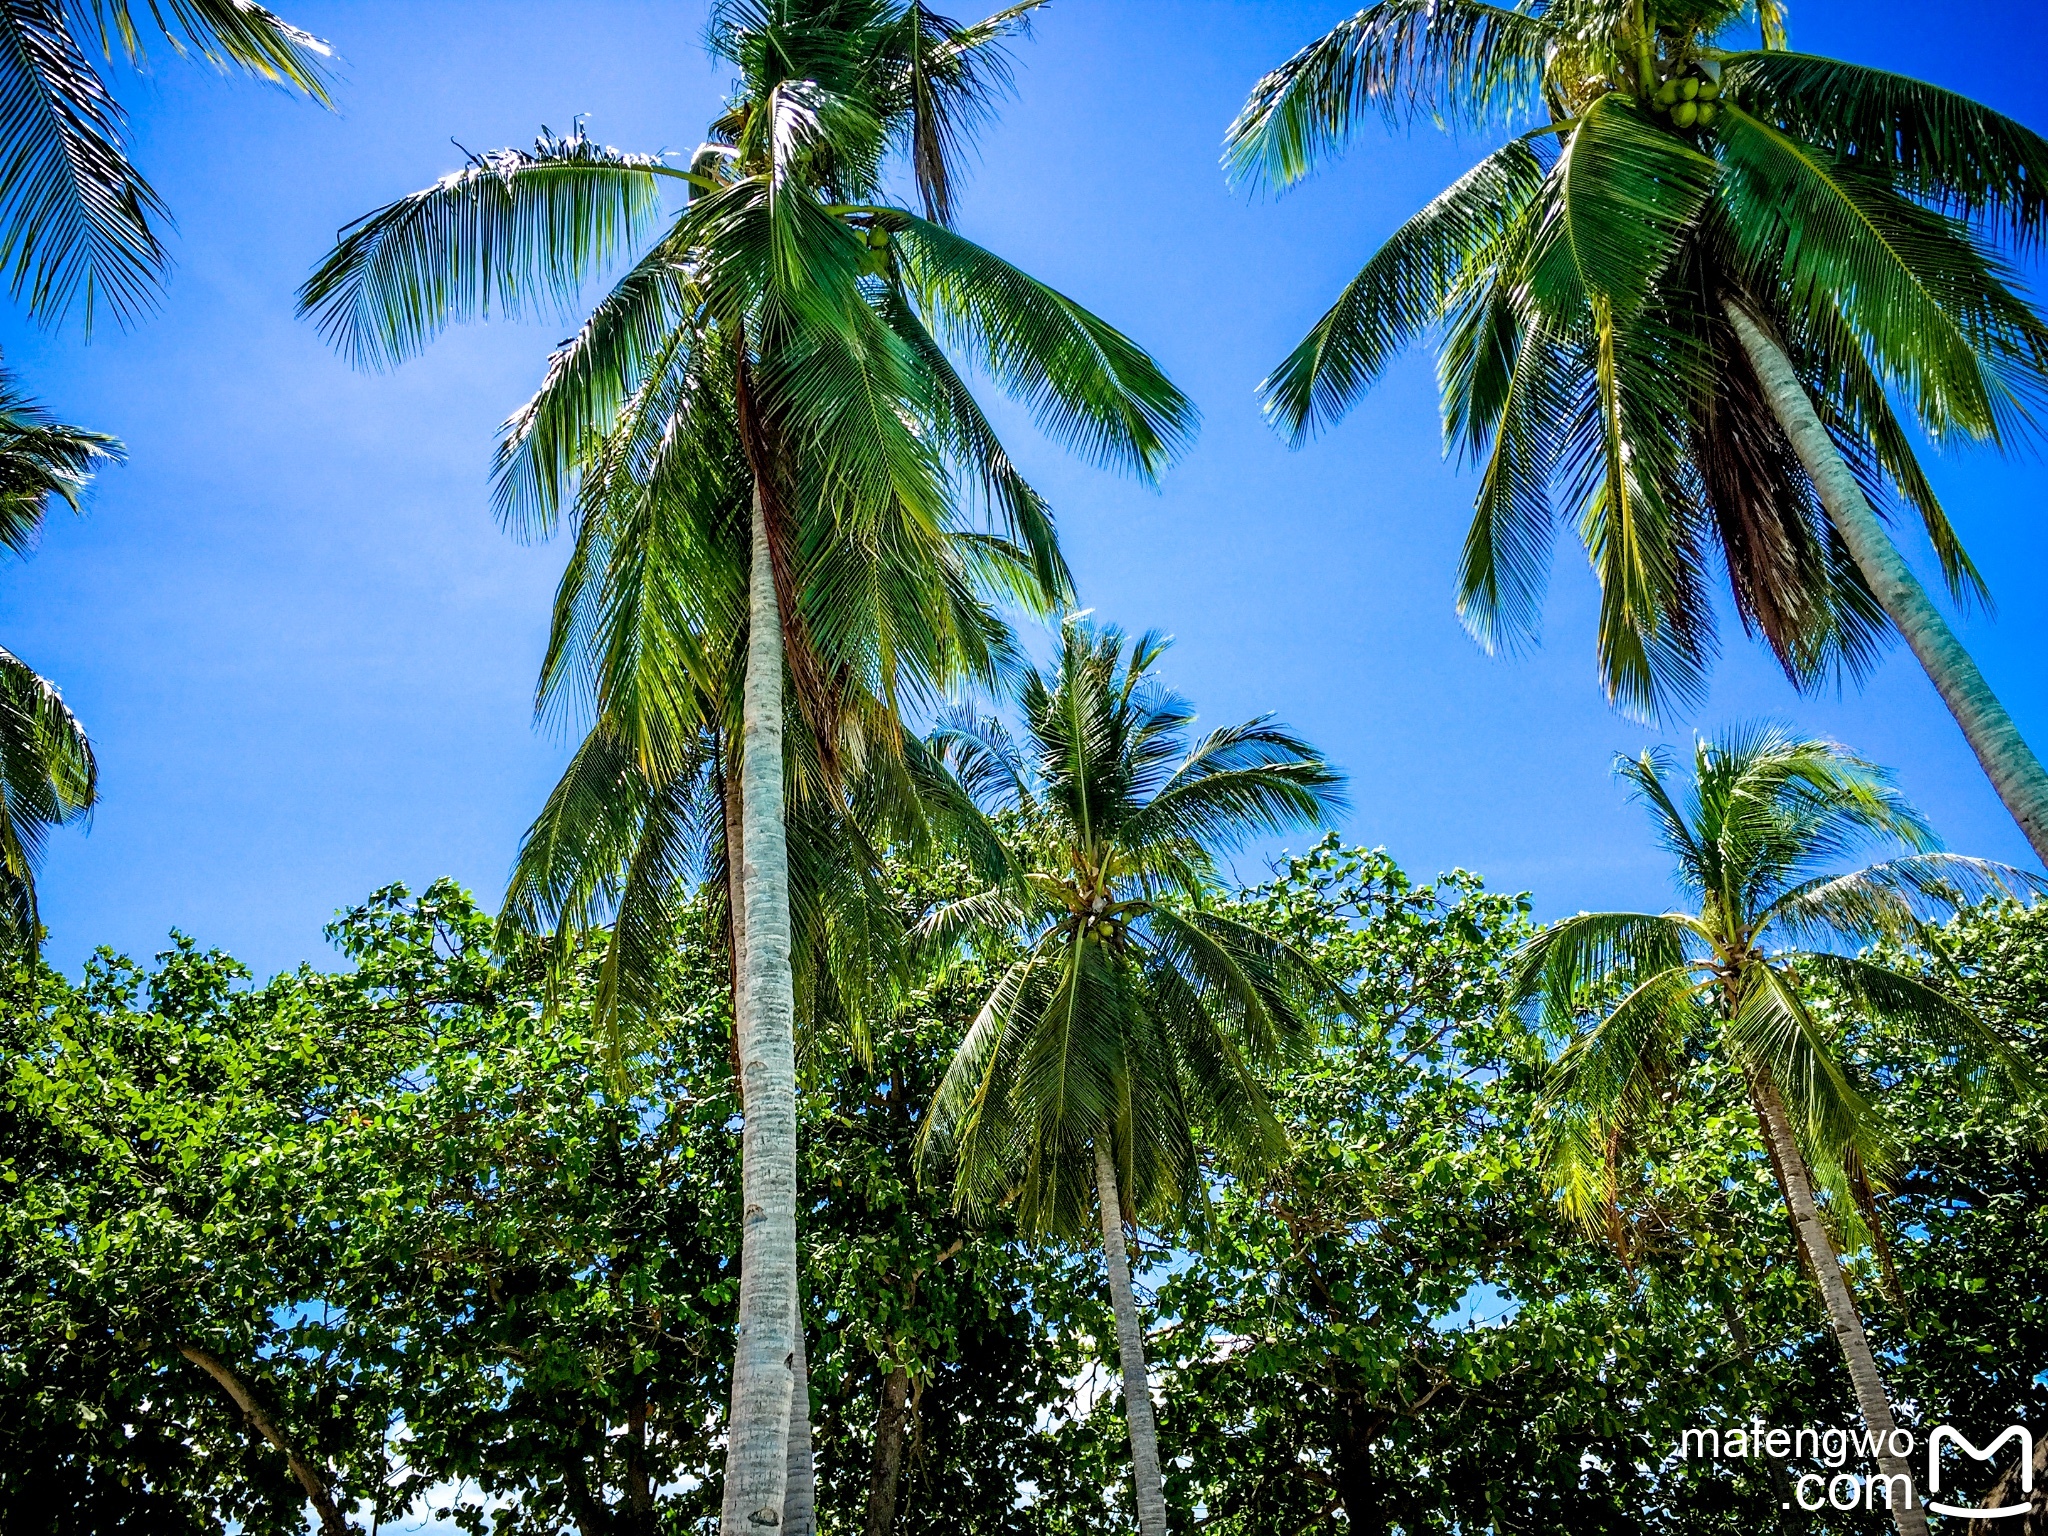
(828, 306)
(1757, 841)
(77, 220)
(1137, 1014)
(47, 774)
(1685, 294)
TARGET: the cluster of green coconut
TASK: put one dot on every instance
(1692, 98)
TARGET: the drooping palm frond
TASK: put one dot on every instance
(1934, 144)
(41, 460)
(77, 220)
(225, 33)
(514, 232)
(47, 778)
(1459, 59)
(1403, 290)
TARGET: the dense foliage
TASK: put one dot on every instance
(447, 1268)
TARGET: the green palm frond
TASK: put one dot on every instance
(1934, 144)
(75, 217)
(225, 33)
(1402, 291)
(1086, 384)
(1456, 60)
(42, 460)
(514, 232)
(1987, 1061)
(1773, 1034)
(47, 778)
(1936, 314)
(1892, 899)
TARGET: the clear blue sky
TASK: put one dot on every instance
(306, 653)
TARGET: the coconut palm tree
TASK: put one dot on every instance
(1757, 839)
(829, 307)
(1138, 1017)
(47, 774)
(77, 220)
(1684, 295)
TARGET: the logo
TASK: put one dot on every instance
(1835, 1448)
(1945, 1434)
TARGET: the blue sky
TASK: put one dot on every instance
(306, 653)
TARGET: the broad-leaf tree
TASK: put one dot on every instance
(1757, 839)
(831, 309)
(1684, 305)
(47, 773)
(1138, 1017)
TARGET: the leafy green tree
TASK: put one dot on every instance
(77, 221)
(1137, 1016)
(1686, 299)
(1395, 1323)
(853, 422)
(1756, 845)
(47, 774)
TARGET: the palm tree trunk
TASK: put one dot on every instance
(800, 1500)
(757, 1444)
(1796, 1184)
(1130, 1345)
(887, 1471)
(2015, 772)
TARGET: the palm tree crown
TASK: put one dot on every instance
(1757, 843)
(1134, 1014)
(1592, 278)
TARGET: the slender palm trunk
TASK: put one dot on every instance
(308, 1475)
(757, 1447)
(799, 1501)
(887, 1471)
(1843, 1319)
(2015, 772)
(1130, 1345)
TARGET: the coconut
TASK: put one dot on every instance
(1709, 89)
(1688, 89)
(1708, 112)
(1685, 114)
(1667, 93)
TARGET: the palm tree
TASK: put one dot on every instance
(47, 774)
(1137, 1013)
(827, 306)
(1726, 982)
(1686, 298)
(77, 221)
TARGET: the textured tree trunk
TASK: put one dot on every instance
(887, 1473)
(800, 1501)
(757, 1448)
(1130, 1345)
(1843, 1319)
(2015, 772)
(309, 1478)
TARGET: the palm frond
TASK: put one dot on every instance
(1453, 60)
(513, 232)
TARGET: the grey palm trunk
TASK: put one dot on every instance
(1130, 1345)
(1818, 1250)
(758, 1429)
(2015, 772)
